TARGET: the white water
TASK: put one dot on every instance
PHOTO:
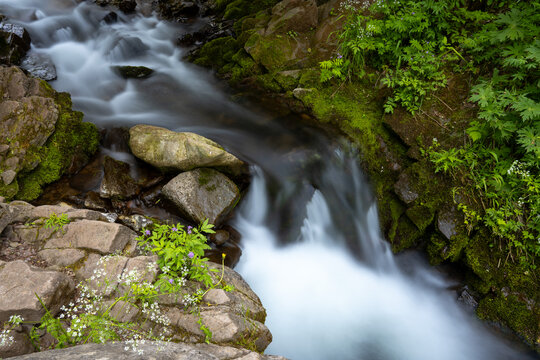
(336, 292)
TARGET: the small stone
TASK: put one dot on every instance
(8, 176)
(216, 297)
(403, 189)
(220, 237)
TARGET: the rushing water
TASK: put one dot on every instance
(311, 241)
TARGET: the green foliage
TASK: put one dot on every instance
(56, 222)
(408, 42)
(180, 249)
(502, 161)
(334, 69)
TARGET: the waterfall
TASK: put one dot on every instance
(312, 247)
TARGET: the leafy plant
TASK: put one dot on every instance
(56, 222)
(180, 250)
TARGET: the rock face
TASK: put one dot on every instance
(88, 248)
(37, 124)
(169, 150)
(158, 351)
(19, 282)
(203, 194)
(14, 43)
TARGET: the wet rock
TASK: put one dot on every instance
(126, 6)
(98, 236)
(14, 43)
(117, 182)
(127, 49)
(135, 222)
(404, 188)
(40, 66)
(220, 237)
(177, 10)
(20, 281)
(158, 351)
(468, 299)
(111, 18)
(203, 194)
(95, 202)
(133, 72)
(169, 150)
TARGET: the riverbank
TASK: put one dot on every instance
(278, 51)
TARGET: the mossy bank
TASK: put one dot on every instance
(277, 51)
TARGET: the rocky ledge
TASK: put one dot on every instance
(41, 265)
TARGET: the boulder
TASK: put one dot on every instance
(169, 150)
(97, 236)
(203, 194)
(149, 349)
(117, 182)
(20, 281)
(36, 124)
(14, 43)
(40, 66)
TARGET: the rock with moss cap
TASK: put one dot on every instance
(183, 151)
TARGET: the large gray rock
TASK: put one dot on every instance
(20, 281)
(97, 236)
(150, 350)
(169, 150)
(203, 194)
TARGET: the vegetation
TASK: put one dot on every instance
(412, 47)
(91, 318)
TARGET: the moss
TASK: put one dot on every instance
(267, 82)
(205, 175)
(421, 215)
(71, 138)
(405, 236)
(217, 53)
(235, 9)
(521, 317)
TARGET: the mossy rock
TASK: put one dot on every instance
(72, 138)
(520, 316)
(279, 52)
(133, 72)
(236, 9)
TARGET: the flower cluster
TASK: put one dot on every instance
(518, 169)
(6, 339)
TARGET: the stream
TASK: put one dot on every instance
(311, 243)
